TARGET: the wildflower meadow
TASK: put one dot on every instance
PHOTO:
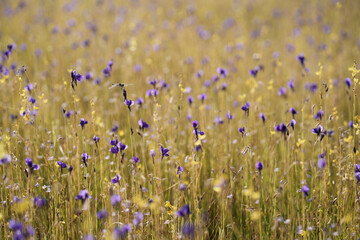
(179, 119)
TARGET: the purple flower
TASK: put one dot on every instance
(223, 86)
(188, 230)
(348, 82)
(190, 100)
(246, 108)
(357, 176)
(199, 73)
(292, 123)
(31, 165)
(301, 59)
(89, 76)
(61, 164)
(15, 225)
(83, 195)
(207, 83)
(40, 202)
(75, 77)
(142, 124)
(254, 72)
(262, 117)
(116, 179)
(83, 122)
(242, 131)
(291, 85)
(121, 232)
(180, 169)
(222, 71)
(311, 87)
(69, 113)
(163, 84)
(229, 116)
(115, 199)
(283, 129)
(96, 139)
(321, 163)
(122, 146)
(152, 153)
(115, 128)
(139, 101)
(84, 158)
(102, 214)
(184, 211)
(164, 152)
(293, 112)
(305, 190)
(317, 130)
(135, 159)
(32, 100)
(153, 82)
(319, 114)
(5, 160)
(138, 217)
(350, 124)
(259, 166)
(357, 168)
(129, 103)
(202, 97)
(29, 87)
(182, 187)
(282, 91)
(218, 120)
(70, 169)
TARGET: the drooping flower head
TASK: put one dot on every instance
(129, 103)
(180, 169)
(292, 123)
(84, 158)
(293, 112)
(242, 131)
(348, 82)
(262, 117)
